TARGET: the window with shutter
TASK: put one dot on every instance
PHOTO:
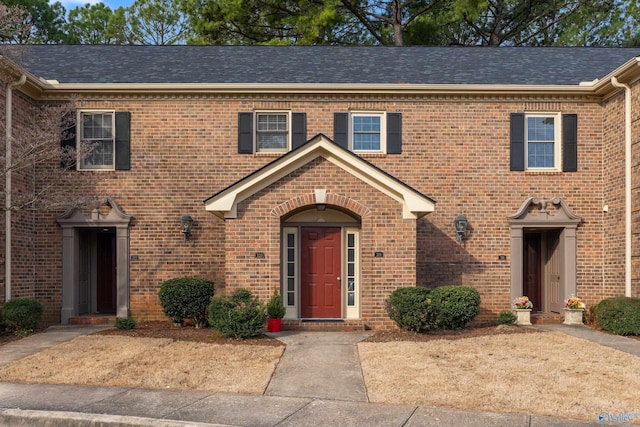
(108, 134)
(369, 132)
(543, 142)
(271, 131)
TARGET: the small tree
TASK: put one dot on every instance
(275, 308)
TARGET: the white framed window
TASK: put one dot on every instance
(273, 131)
(368, 132)
(98, 129)
(543, 141)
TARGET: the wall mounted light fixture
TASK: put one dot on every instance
(461, 224)
(187, 224)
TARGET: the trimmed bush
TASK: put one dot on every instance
(240, 315)
(125, 323)
(454, 306)
(186, 298)
(619, 315)
(22, 315)
(507, 318)
(409, 308)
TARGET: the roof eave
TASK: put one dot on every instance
(52, 90)
(629, 72)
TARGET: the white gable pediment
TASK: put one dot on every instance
(225, 203)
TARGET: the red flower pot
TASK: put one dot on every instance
(274, 325)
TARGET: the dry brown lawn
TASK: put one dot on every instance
(516, 370)
(543, 374)
(158, 363)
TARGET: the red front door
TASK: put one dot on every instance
(320, 273)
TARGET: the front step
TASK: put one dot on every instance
(323, 325)
(546, 318)
(93, 319)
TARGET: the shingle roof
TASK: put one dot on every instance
(324, 64)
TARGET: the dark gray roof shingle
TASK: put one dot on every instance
(324, 64)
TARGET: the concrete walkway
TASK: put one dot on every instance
(318, 382)
(303, 369)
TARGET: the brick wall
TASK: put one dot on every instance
(382, 229)
(455, 151)
(23, 265)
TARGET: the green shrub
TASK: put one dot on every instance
(409, 308)
(454, 306)
(619, 315)
(240, 315)
(275, 308)
(22, 315)
(507, 318)
(125, 323)
(186, 298)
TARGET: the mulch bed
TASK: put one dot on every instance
(164, 329)
(469, 332)
(160, 329)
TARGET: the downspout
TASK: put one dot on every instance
(627, 183)
(7, 203)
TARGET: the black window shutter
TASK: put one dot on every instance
(394, 133)
(68, 140)
(517, 142)
(570, 142)
(245, 133)
(341, 129)
(298, 129)
(123, 141)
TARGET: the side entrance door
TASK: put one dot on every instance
(106, 272)
(532, 269)
(320, 268)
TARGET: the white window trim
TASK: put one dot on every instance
(255, 132)
(80, 134)
(557, 142)
(291, 311)
(351, 312)
(383, 130)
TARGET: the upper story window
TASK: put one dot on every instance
(97, 128)
(272, 132)
(368, 132)
(108, 134)
(542, 141)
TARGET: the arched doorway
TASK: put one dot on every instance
(321, 263)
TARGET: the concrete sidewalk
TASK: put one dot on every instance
(318, 382)
(70, 406)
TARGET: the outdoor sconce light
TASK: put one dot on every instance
(461, 224)
(187, 224)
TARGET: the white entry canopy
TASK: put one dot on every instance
(414, 204)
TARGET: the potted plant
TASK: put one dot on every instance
(275, 313)
(573, 311)
(522, 309)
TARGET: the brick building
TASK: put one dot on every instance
(335, 175)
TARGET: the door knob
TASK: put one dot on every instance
(338, 278)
